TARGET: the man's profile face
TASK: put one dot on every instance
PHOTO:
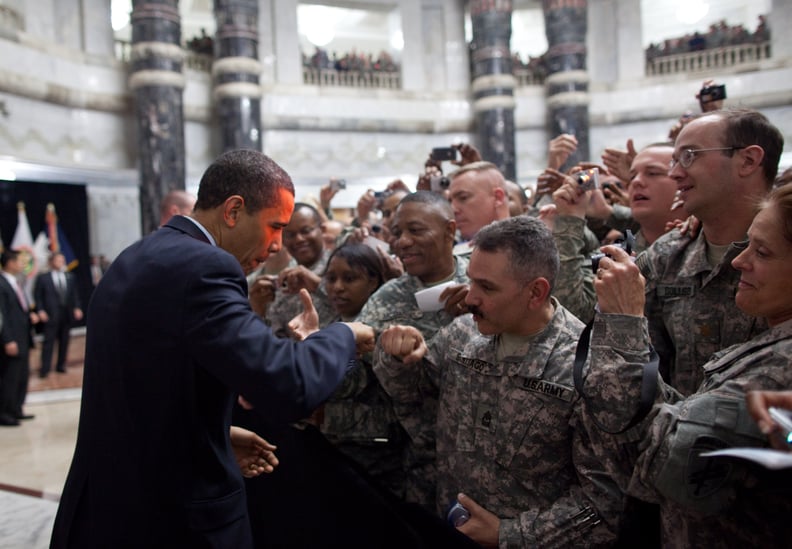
(257, 235)
(421, 239)
(303, 237)
(496, 298)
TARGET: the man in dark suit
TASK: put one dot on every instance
(16, 339)
(171, 342)
(58, 305)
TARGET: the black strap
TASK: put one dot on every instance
(648, 382)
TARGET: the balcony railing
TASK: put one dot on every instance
(528, 77)
(196, 61)
(709, 59)
(352, 79)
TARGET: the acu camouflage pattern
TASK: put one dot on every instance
(359, 420)
(394, 303)
(287, 306)
(508, 436)
(574, 286)
(704, 502)
(690, 306)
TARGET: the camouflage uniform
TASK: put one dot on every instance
(507, 433)
(359, 420)
(704, 502)
(394, 303)
(690, 306)
(287, 306)
(574, 285)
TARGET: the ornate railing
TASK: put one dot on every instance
(192, 60)
(709, 59)
(528, 77)
(352, 79)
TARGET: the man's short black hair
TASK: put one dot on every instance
(6, 256)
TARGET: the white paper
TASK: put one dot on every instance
(429, 299)
(772, 459)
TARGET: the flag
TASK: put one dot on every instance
(23, 243)
(57, 238)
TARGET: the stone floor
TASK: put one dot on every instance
(35, 456)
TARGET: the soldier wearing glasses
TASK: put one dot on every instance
(723, 163)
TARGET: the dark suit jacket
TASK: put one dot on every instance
(47, 298)
(171, 340)
(16, 320)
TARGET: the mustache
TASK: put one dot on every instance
(475, 310)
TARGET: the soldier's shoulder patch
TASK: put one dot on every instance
(706, 475)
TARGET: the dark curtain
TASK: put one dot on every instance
(71, 206)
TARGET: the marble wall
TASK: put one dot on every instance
(68, 108)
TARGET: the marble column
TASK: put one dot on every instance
(157, 81)
(493, 82)
(779, 20)
(567, 78)
(236, 72)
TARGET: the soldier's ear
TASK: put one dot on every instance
(537, 292)
(451, 229)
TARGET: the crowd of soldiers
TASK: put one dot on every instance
(476, 401)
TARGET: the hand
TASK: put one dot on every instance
(467, 154)
(482, 526)
(366, 204)
(294, 279)
(77, 314)
(619, 284)
(598, 207)
(393, 265)
(253, 454)
(365, 338)
(690, 226)
(425, 180)
(307, 322)
(326, 193)
(560, 149)
(549, 181)
(571, 200)
(454, 297)
(618, 162)
(43, 316)
(398, 185)
(616, 195)
(758, 403)
(34, 317)
(404, 342)
(262, 293)
(11, 348)
(547, 215)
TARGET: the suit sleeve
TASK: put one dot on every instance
(283, 378)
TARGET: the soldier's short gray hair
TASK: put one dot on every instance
(527, 242)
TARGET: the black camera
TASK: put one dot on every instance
(439, 183)
(380, 197)
(444, 153)
(712, 93)
(627, 244)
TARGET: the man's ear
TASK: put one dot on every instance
(232, 209)
(538, 292)
(500, 196)
(751, 158)
(451, 229)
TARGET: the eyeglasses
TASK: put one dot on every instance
(687, 156)
(304, 232)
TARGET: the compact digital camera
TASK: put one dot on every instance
(627, 244)
(712, 93)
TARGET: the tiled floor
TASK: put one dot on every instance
(35, 457)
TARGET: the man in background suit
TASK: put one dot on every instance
(171, 343)
(58, 305)
(15, 340)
